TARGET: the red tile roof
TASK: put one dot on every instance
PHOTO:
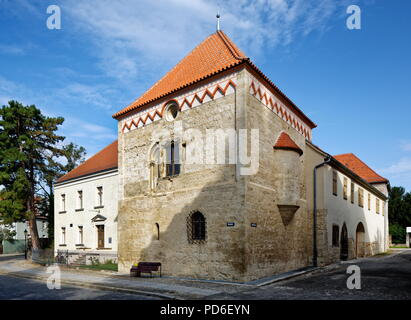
(103, 160)
(214, 55)
(352, 162)
(285, 142)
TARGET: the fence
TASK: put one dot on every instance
(66, 257)
(13, 246)
(42, 256)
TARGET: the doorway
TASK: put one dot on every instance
(344, 243)
(100, 236)
(359, 240)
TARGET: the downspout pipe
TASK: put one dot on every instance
(315, 249)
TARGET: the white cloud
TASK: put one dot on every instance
(136, 37)
(76, 128)
(406, 146)
(10, 49)
(403, 166)
(399, 173)
(97, 95)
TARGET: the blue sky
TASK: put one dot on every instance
(355, 84)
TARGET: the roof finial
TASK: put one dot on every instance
(218, 20)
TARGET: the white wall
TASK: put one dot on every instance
(71, 219)
(19, 227)
(342, 211)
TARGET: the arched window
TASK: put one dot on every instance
(157, 231)
(155, 166)
(173, 159)
(196, 227)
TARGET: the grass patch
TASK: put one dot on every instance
(399, 247)
(383, 254)
(104, 266)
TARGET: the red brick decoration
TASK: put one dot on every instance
(271, 102)
(211, 91)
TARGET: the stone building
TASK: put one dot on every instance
(226, 218)
(85, 211)
(217, 176)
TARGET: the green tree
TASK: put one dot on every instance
(6, 233)
(52, 171)
(27, 140)
(399, 209)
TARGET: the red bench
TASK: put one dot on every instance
(145, 267)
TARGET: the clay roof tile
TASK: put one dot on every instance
(103, 160)
(214, 55)
(285, 142)
(352, 162)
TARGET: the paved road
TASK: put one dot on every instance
(26, 289)
(382, 277)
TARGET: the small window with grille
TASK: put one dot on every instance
(196, 227)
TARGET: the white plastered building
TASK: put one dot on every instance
(86, 209)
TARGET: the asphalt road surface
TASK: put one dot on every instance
(382, 278)
(13, 288)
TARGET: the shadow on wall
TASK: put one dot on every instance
(159, 226)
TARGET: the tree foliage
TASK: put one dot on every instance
(6, 233)
(30, 149)
(399, 208)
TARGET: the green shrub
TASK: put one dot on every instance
(398, 233)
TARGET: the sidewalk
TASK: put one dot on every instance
(165, 287)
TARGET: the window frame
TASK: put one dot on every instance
(63, 203)
(369, 201)
(345, 189)
(335, 236)
(335, 184)
(63, 236)
(80, 199)
(352, 192)
(100, 194)
(80, 235)
(173, 164)
(361, 197)
(194, 226)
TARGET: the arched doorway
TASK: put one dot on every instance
(359, 240)
(344, 243)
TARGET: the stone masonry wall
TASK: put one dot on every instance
(211, 189)
(274, 246)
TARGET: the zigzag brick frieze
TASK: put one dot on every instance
(262, 94)
(189, 101)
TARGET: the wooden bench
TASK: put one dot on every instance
(145, 267)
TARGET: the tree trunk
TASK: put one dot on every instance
(35, 240)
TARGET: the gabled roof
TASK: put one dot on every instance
(217, 53)
(103, 160)
(356, 165)
(285, 142)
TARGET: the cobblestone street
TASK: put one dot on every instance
(382, 277)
